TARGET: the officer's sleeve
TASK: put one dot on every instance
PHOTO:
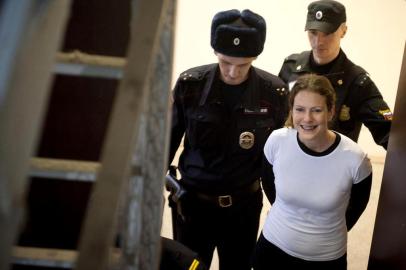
(373, 111)
(177, 124)
(358, 201)
(268, 180)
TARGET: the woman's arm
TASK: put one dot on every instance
(268, 180)
(358, 201)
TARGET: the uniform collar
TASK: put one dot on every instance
(303, 63)
(338, 63)
(336, 74)
(250, 98)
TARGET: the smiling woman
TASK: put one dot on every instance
(312, 101)
(318, 182)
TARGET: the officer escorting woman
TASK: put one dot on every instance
(358, 99)
(225, 111)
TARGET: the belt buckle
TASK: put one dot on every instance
(225, 201)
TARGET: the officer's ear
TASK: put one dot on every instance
(343, 27)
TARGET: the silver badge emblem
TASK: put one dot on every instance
(247, 140)
(319, 15)
(236, 41)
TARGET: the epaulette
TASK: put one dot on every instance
(280, 87)
(195, 74)
(191, 76)
(272, 81)
(292, 58)
(282, 91)
(363, 79)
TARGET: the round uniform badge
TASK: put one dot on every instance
(236, 41)
(247, 140)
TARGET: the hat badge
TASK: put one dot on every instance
(236, 41)
(319, 15)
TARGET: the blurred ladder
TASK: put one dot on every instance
(30, 35)
(134, 158)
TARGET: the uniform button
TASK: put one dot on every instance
(340, 82)
(200, 116)
(299, 67)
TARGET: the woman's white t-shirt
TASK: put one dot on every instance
(307, 219)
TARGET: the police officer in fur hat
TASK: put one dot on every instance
(226, 111)
(358, 99)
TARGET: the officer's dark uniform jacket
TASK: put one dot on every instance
(358, 99)
(213, 160)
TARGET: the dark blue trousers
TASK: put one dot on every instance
(232, 230)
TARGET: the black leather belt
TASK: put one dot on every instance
(228, 200)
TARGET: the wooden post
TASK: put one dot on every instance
(30, 33)
(99, 228)
(388, 249)
(144, 206)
